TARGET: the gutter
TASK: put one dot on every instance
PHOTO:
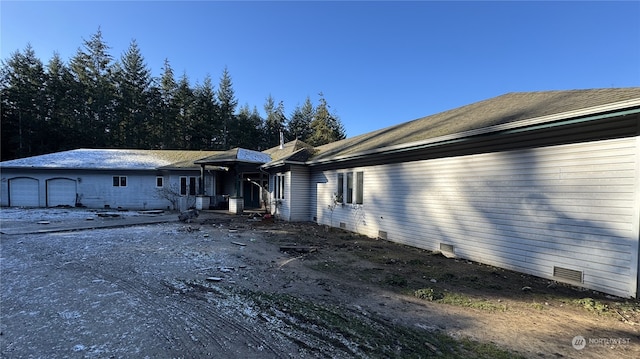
(622, 108)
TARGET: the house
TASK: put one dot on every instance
(544, 183)
(114, 178)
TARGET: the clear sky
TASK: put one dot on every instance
(377, 63)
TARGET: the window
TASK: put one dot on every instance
(279, 186)
(359, 187)
(188, 186)
(352, 188)
(119, 181)
(159, 182)
(192, 186)
(349, 187)
(340, 191)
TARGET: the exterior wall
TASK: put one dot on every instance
(281, 208)
(572, 207)
(299, 194)
(95, 189)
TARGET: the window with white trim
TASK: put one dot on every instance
(350, 189)
(159, 182)
(119, 181)
(278, 186)
(359, 187)
(340, 191)
(188, 186)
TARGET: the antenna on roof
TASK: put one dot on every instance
(281, 140)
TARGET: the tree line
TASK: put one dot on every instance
(95, 101)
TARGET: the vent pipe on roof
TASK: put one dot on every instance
(281, 140)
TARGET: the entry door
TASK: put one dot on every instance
(61, 192)
(23, 192)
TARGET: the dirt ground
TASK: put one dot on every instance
(237, 287)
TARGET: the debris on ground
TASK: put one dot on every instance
(239, 244)
(299, 249)
(188, 216)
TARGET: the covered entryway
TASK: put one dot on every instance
(23, 192)
(61, 192)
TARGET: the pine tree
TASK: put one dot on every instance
(206, 125)
(62, 134)
(183, 103)
(299, 125)
(248, 133)
(227, 103)
(134, 80)
(166, 129)
(23, 99)
(275, 122)
(326, 127)
(92, 69)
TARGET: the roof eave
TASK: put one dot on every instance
(583, 115)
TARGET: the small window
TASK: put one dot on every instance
(159, 182)
(183, 186)
(279, 186)
(192, 186)
(349, 187)
(359, 187)
(340, 191)
(119, 181)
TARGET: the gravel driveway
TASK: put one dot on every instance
(124, 292)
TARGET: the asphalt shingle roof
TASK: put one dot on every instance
(499, 110)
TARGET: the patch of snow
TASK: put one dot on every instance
(92, 158)
(253, 156)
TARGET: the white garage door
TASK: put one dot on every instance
(23, 192)
(61, 192)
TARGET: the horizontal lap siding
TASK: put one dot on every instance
(573, 206)
(300, 194)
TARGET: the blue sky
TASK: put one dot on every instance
(377, 63)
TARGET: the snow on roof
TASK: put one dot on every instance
(253, 156)
(109, 159)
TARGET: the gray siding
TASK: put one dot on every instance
(570, 206)
(299, 194)
(95, 188)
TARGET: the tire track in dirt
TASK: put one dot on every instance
(184, 318)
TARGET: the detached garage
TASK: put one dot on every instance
(61, 192)
(24, 192)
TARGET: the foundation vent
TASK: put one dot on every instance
(382, 235)
(446, 248)
(343, 225)
(567, 274)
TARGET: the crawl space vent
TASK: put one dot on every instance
(382, 235)
(447, 248)
(567, 274)
(343, 225)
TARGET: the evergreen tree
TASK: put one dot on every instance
(248, 131)
(299, 125)
(133, 84)
(275, 122)
(227, 103)
(206, 125)
(23, 105)
(326, 127)
(183, 102)
(92, 68)
(166, 129)
(62, 134)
